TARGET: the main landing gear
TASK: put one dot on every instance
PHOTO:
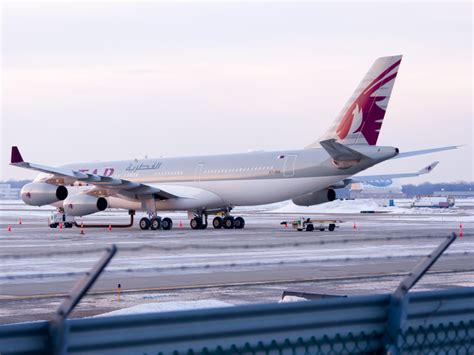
(199, 221)
(155, 223)
(228, 222)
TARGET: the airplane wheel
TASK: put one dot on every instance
(155, 223)
(309, 227)
(53, 225)
(217, 222)
(239, 223)
(332, 226)
(67, 225)
(195, 223)
(203, 226)
(228, 222)
(144, 223)
(167, 224)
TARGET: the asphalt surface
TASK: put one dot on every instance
(39, 265)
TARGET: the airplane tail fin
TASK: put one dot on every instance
(361, 119)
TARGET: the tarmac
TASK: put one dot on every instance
(368, 253)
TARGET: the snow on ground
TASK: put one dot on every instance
(337, 206)
(359, 205)
(11, 208)
(167, 307)
(288, 299)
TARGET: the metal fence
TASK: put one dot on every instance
(400, 322)
(436, 322)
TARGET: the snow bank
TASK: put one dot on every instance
(358, 205)
(167, 307)
(288, 299)
(337, 206)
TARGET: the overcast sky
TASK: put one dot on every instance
(107, 81)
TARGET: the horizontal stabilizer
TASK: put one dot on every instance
(340, 152)
(425, 151)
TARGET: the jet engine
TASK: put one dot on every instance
(316, 197)
(41, 193)
(81, 205)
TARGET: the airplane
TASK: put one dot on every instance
(216, 184)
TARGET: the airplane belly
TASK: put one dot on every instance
(263, 191)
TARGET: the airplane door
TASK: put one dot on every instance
(289, 165)
(198, 171)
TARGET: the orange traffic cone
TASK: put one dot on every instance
(60, 225)
(20, 222)
(180, 224)
(355, 227)
(110, 227)
(9, 228)
(460, 230)
(82, 229)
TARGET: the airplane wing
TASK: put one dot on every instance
(99, 181)
(386, 179)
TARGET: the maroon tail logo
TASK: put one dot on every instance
(364, 114)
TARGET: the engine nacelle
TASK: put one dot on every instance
(316, 198)
(82, 205)
(41, 193)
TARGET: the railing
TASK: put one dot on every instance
(437, 321)
(400, 322)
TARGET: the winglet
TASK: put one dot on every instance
(16, 156)
(429, 168)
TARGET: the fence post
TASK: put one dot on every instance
(397, 314)
(57, 325)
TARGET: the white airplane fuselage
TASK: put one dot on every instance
(221, 181)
